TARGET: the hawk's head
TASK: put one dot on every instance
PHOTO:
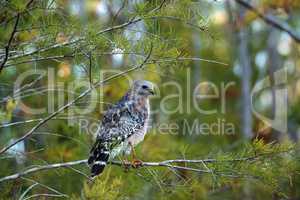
(143, 88)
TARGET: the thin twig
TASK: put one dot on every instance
(44, 186)
(159, 7)
(41, 168)
(162, 60)
(39, 59)
(90, 68)
(118, 12)
(89, 73)
(29, 85)
(7, 47)
(272, 20)
(44, 195)
(27, 190)
(9, 43)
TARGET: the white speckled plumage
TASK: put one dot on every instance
(125, 122)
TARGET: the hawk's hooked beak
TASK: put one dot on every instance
(151, 91)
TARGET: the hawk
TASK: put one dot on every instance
(123, 126)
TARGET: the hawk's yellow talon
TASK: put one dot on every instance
(136, 163)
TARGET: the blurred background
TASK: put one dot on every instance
(206, 58)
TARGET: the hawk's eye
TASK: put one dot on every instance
(144, 86)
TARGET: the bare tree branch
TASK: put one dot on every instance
(118, 12)
(159, 7)
(83, 94)
(7, 47)
(9, 43)
(166, 163)
(272, 20)
(41, 168)
(171, 164)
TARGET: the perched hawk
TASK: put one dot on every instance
(123, 126)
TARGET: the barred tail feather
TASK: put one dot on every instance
(98, 158)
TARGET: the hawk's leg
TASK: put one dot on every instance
(125, 164)
(135, 163)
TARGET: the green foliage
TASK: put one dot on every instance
(104, 188)
(258, 167)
